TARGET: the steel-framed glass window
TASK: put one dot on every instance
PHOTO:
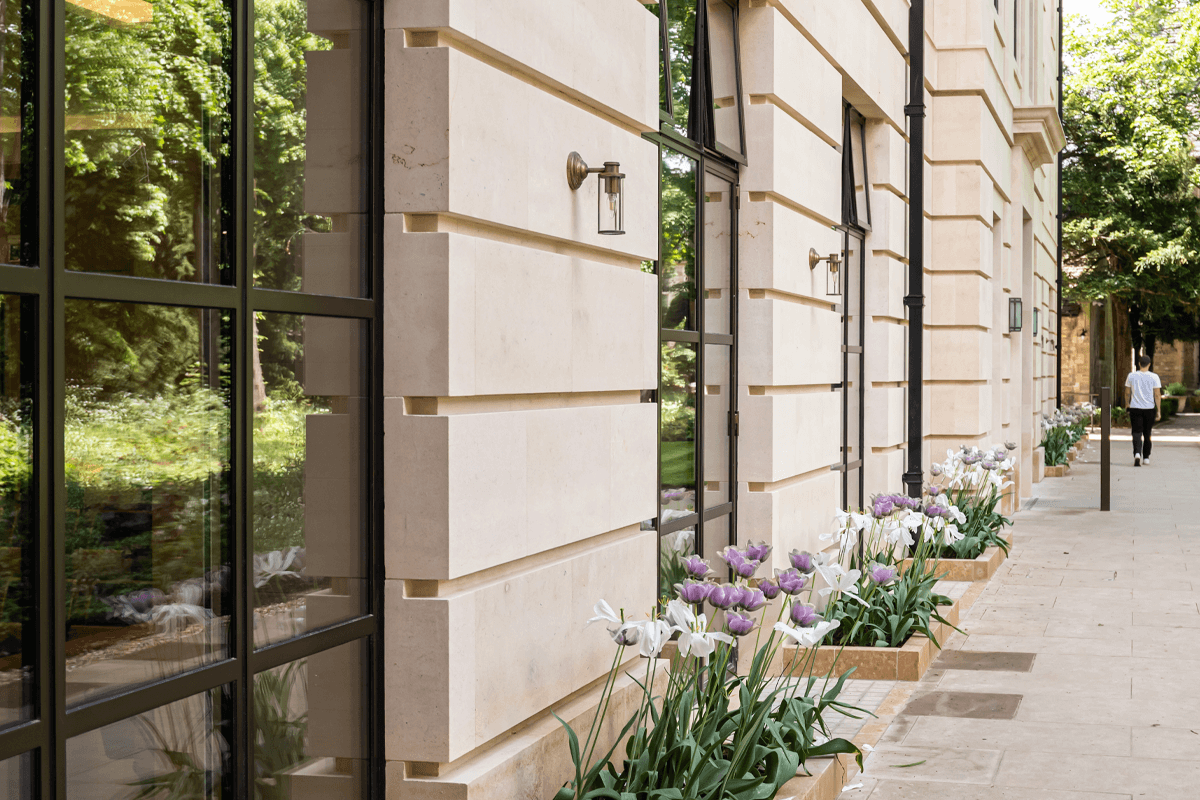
(701, 144)
(856, 222)
(189, 371)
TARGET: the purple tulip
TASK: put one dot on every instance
(1010, 446)
(934, 491)
(989, 465)
(753, 599)
(791, 582)
(970, 458)
(738, 624)
(935, 470)
(882, 506)
(758, 551)
(769, 587)
(1000, 454)
(804, 615)
(882, 574)
(725, 596)
(935, 511)
(696, 566)
(803, 561)
(694, 593)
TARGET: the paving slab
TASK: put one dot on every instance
(1075, 677)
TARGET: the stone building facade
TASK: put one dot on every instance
(524, 359)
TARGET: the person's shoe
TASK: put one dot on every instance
(1137, 460)
(1146, 461)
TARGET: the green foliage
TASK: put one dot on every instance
(1120, 417)
(1129, 177)
(679, 463)
(1057, 441)
(714, 736)
(897, 610)
(984, 527)
(1177, 389)
(1170, 407)
(281, 729)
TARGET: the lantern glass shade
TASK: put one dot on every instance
(833, 279)
(1016, 314)
(610, 200)
(1035, 322)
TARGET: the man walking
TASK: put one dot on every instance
(1145, 408)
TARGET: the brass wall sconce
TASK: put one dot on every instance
(833, 280)
(610, 196)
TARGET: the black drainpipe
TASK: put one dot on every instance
(1059, 346)
(915, 300)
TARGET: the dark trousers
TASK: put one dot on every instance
(1142, 420)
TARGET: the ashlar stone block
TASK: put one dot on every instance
(960, 245)
(959, 299)
(460, 141)
(471, 316)
(787, 343)
(563, 43)
(961, 354)
(792, 516)
(777, 61)
(449, 691)
(958, 409)
(784, 435)
(773, 247)
(471, 491)
(777, 144)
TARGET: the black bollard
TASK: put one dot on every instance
(1105, 448)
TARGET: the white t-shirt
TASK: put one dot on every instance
(1143, 385)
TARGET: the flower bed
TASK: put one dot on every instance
(980, 568)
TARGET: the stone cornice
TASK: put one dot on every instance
(1039, 132)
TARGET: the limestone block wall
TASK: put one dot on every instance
(520, 454)
(995, 134)
(799, 68)
(521, 460)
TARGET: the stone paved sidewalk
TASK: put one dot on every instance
(1079, 676)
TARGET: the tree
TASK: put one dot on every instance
(1130, 172)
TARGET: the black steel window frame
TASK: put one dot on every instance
(46, 288)
(854, 228)
(706, 163)
(701, 129)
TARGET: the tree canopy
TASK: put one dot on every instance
(1131, 175)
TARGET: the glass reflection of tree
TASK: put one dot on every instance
(679, 241)
(681, 33)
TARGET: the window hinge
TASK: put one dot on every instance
(733, 423)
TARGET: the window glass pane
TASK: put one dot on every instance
(678, 429)
(681, 34)
(17, 144)
(147, 437)
(147, 137)
(727, 120)
(717, 442)
(18, 541)
(310, 155)
(852, 296)
(310, 497)
(718, 243)
(715, 539)
(673, 549)
(16, 776)
(179, 751)
(309, 727)
(677, 268)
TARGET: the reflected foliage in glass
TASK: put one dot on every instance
(147, 449)
(179, 751)
(310, 155)
(677, 271)
(681, 37)
(18, 545)
(147, 138)
(310, 449)
(673, 548)
(309, 723)
(678, 429)
(18, 148)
